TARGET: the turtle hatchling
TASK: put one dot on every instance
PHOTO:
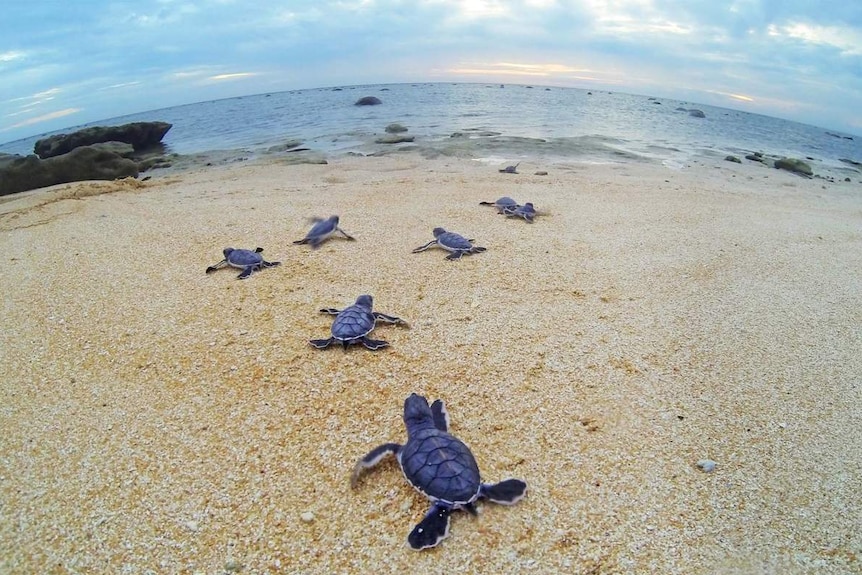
(527, 211)
(353, 324)
(503, 205)
(322, 230)
(451, 242)
(441, 467)
(247, 260)
(510, 169)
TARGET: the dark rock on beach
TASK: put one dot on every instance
(696, 113)
(393, 139)
(733, 159)
(141, 135)
(368, 101)
(755, 157)
(395, 128)
(20, 173)
(794, 165)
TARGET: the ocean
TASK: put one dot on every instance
(497, 123)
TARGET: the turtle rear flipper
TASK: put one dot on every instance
(506, 492)
(371, 459)
(302, 241)
(431, 530)
(374, 344)
(455, 255)
(440, 415)
(478, 250)
(321, 343)
(267, 264)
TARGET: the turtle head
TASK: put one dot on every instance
(227, 252)
(438, 232)
(417, 412)
(365, 301)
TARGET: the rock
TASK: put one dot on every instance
(140, 135)
(393, 139)
(696, 113)
(22, 173)
(794, 165)
(732, 159)
(395, 129)
(541, 173)
(755, 157)
(368, 101)
(307, 517)
(707, 465)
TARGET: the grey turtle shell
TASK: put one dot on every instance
(353, 322)
(323, 227)
(441, 467)
(451, 240)
(242, 258)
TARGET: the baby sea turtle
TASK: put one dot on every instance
(503, 205)
(527, 211)
(247, 260)
(322, 231)
(353, 324)
(510, 169)
(452, 242)
(441, 467)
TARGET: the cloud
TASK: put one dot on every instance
(234, 76)
(43, 118)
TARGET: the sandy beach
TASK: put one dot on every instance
(156, 419)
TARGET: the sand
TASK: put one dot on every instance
(156, 419)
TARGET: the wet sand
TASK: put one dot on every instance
(158, 419)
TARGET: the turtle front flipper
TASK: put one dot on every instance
(506, 492)
(302, 241)
(321, 343)
(374, 344)
(371, 459)
(330, 311)
(246, 272)
(425, 247)
(433, 529)
(345, 234)
(388, 318)
(217, 266)
(267, 264)
(440, 415)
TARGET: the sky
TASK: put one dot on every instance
(68, 62)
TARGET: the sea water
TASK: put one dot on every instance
(498, 123)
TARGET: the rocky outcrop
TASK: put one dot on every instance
(794, 165)
(694, 113)
(141, 135)
(368, 101)
(20, 173)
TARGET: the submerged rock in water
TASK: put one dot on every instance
(368, 101)
(393, 139)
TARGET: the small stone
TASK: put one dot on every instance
(707, 465)
(232, 566)
(307, 517)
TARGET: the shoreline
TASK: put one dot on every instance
(159, 418)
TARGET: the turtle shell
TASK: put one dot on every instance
(352, 323)
(323, 227)
(453, 241)
(243, 258)
(440, 466)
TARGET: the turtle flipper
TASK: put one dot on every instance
(433, 529)
(302, 241)
(321, 343)
(455, 255)
(506, 492)
(374, 344)
(247, 272)
(267, 264)
(218, 266)
(345, 234)
(330, 311)
(425, 247)
(478, 250)
(440, 415)
(388, 318)
(258, 250)
(371, 459)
